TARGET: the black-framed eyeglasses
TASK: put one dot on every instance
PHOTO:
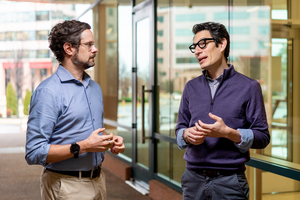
(201, 44)
(90, 45)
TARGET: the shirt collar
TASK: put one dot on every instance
(227, 73)
(211, 80)
(65, 76)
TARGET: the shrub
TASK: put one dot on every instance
(11, 99)
(27, 102)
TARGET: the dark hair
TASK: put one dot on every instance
(217, 31)
(67, 31)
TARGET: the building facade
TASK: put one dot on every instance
(144, 62)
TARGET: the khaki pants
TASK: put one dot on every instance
(56, 186)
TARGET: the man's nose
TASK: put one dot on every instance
(94, 49)
(198, 50)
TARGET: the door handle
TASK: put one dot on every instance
(143, 137)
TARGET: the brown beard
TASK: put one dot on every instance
(85, 65)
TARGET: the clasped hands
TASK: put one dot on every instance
(104, 142)
(197, 134)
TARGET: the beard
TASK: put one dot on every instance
(85, 65)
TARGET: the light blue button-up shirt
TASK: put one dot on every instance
(64, 111)
(247, 135)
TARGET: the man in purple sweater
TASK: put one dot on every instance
(221, 116)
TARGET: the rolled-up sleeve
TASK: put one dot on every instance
(180, 141)
(247, 140)
(41, 123)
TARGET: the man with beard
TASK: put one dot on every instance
(65, 131)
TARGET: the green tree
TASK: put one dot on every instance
(11, 99)
(27, 102)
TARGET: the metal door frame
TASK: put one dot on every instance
(140, 12)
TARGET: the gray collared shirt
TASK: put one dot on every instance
(213, 84)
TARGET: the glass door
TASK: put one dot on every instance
(142, 104)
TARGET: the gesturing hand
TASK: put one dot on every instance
(118, 146)
(193, 136)
(98, 143)
(218, 129)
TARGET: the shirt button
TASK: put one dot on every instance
(93, 119)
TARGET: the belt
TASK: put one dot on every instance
(214, 172)
(92, 173)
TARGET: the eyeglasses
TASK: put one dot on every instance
(201, 44)
(89, 44)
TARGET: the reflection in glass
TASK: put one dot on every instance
(279, 99)
(142, 63)
(271, 186)
(170, 163)
(279, 9)
(126, 134)
(175, 63)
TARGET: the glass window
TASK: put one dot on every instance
(279, 9)
(43, 73)
(41, 53)
(160, 19)
(25, 35)
(42, 16)
(161, 61)
(8, 36)
(160, 46)
(264, 185)
(115, 77)
(184, 32)
(27, 17)
(264, 14)
(242, 30)
(6, 54)
(240, 15)
(189, 17)
(183, 46)
(221, 16)
(2, 36)
(263, 30)
(240, 45)
(160, 32)
(182, 60)
(42, 35)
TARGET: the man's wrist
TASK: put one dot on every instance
(186, 139)
(234, 135)
(83, 148)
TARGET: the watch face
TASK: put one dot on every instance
(74, 148)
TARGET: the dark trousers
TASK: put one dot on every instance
(196, 186)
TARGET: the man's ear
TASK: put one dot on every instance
(223, 44)
(68, 48)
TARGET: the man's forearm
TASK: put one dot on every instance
(233, 135)
(59, 153)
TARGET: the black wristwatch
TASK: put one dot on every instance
(75, 148)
